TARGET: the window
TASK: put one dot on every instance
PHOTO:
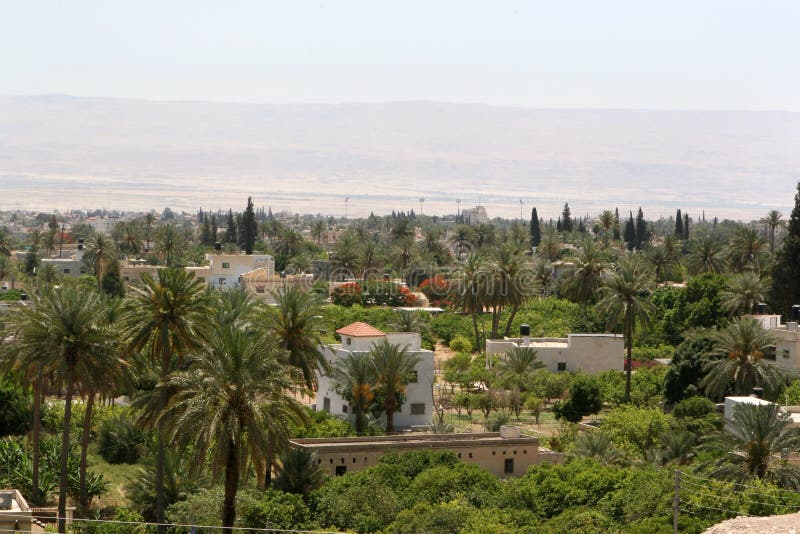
(561, 366)
(344, 408)
(785, 353)
(66, 271)
(326, 404)
(413, 377)
(348, 340)
(222, 281)
(508, 467)
(417, 408)
(226, 265)
(340, 470)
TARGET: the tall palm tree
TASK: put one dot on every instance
(773, 220)
(169, 244)
(222, 403)
(510, 283)
(606, 221)
(99, 252)
(129, 237)
(462, 240)
(393, 367)
(344, 258)
(65, 334)
(515, 369)
(409, 321)
(295, 322)
(743, 343)
(354, 376)
(468, 290)
(745, 290)
(746, 249)
(369, 256)
(581, 284)
(662, 262)
(625, 302)
(166, 318)
(756, 445)
(317, 229)
(704, 256)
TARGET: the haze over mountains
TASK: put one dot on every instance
(60, 152)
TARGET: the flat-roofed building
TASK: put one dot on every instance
(587, 353)
(506, 453)
(15, 514)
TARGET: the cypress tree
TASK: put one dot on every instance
(214, 230)
(230, 229)
(679, 224)
(205, 234)
(581, 226)
(559, 226)
(566, 219)
(617, 234)
(249, 227)
(786, 270)
(686, 226)
(630, 233)
(641, 230)
(536, 231)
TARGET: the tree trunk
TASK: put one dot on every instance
(261, 470)
(63, 474)
(270, 460)
(514, 310)
(161, 448)
(37, 427)
(359, 419)
(83, 498)
(231, 487)
(628, 361)
(477, 333)
(389, 420)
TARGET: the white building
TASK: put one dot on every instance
(102, 225)
(787, 346)
(476, 215)
(224, 270)
(360, 337)
(588, 353)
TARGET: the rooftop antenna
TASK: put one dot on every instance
(421, 202)
(458, 212)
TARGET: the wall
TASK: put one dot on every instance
(588, 353)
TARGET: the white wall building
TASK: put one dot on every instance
(588, 353)
(787, 346)
(223, 270)
(102, 225)
(417, 409)
(476, 215)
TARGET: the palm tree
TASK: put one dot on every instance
(756, 445)
(625, 302)
(515, 369)
(581, 284)
(5, 241)
(662, 262)
(369, 256)
(468, 290)
(166, 317)
(222, 403)
(606, 221)
(678, 446)
(344, 258)
(317, 230)
(704, 256)
(746, 249)
(743, 343)
(300, 472)
(393, 368)
(168, 244)
(65, 334)
(409, 321)
(402, 250)
(100, 250)
(773, 220)
(597, 445)
(129, 237)
(510, 284)
(354, 376)
(745, 290)
(462, 240)
(296, 323)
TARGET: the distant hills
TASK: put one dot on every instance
(66, 152)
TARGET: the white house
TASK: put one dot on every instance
(787, 344)
(588, 353)
(224, 270)
(360, 337)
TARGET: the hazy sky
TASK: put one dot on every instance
(603, 54)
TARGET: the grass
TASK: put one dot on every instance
(117, 475)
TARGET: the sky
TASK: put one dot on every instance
(611, 54)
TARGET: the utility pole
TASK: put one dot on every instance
(421, 202)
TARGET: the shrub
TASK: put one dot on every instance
(497, 420)
(584, 399)
(16, 409)
(696, 407)
(461, 344)
(119, 440)
(347, 294)
(277, 510)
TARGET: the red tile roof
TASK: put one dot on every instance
(360, 330)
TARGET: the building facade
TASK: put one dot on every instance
(506, 453)
(360, 337)
(587, 353)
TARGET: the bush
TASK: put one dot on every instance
(497, 420)
(461, 344)
(696, 407)
(584, 399)
(635, 429)
(347, 294)
(119, 440)
(16, 409)
(446, 326)
(277, 510)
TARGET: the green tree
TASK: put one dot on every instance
(112, 284)
(393, 368)
(773, 220)
(300, 472)
(65, 334)
(585, 398)
(167, 319)
(222, 403)
(786, 269)
(629, 234)
(100, 251)
(642, 234)
(743, 343)
(746, 250)
(296, 322)
(582, 283)
(625, 302)
(535, 230)
(354, 376)
(679, 224)
(515, 369)
(756, 445)
(704, 256)
(745, 290)
(468, 290)
(566, 219)
(250, 227)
